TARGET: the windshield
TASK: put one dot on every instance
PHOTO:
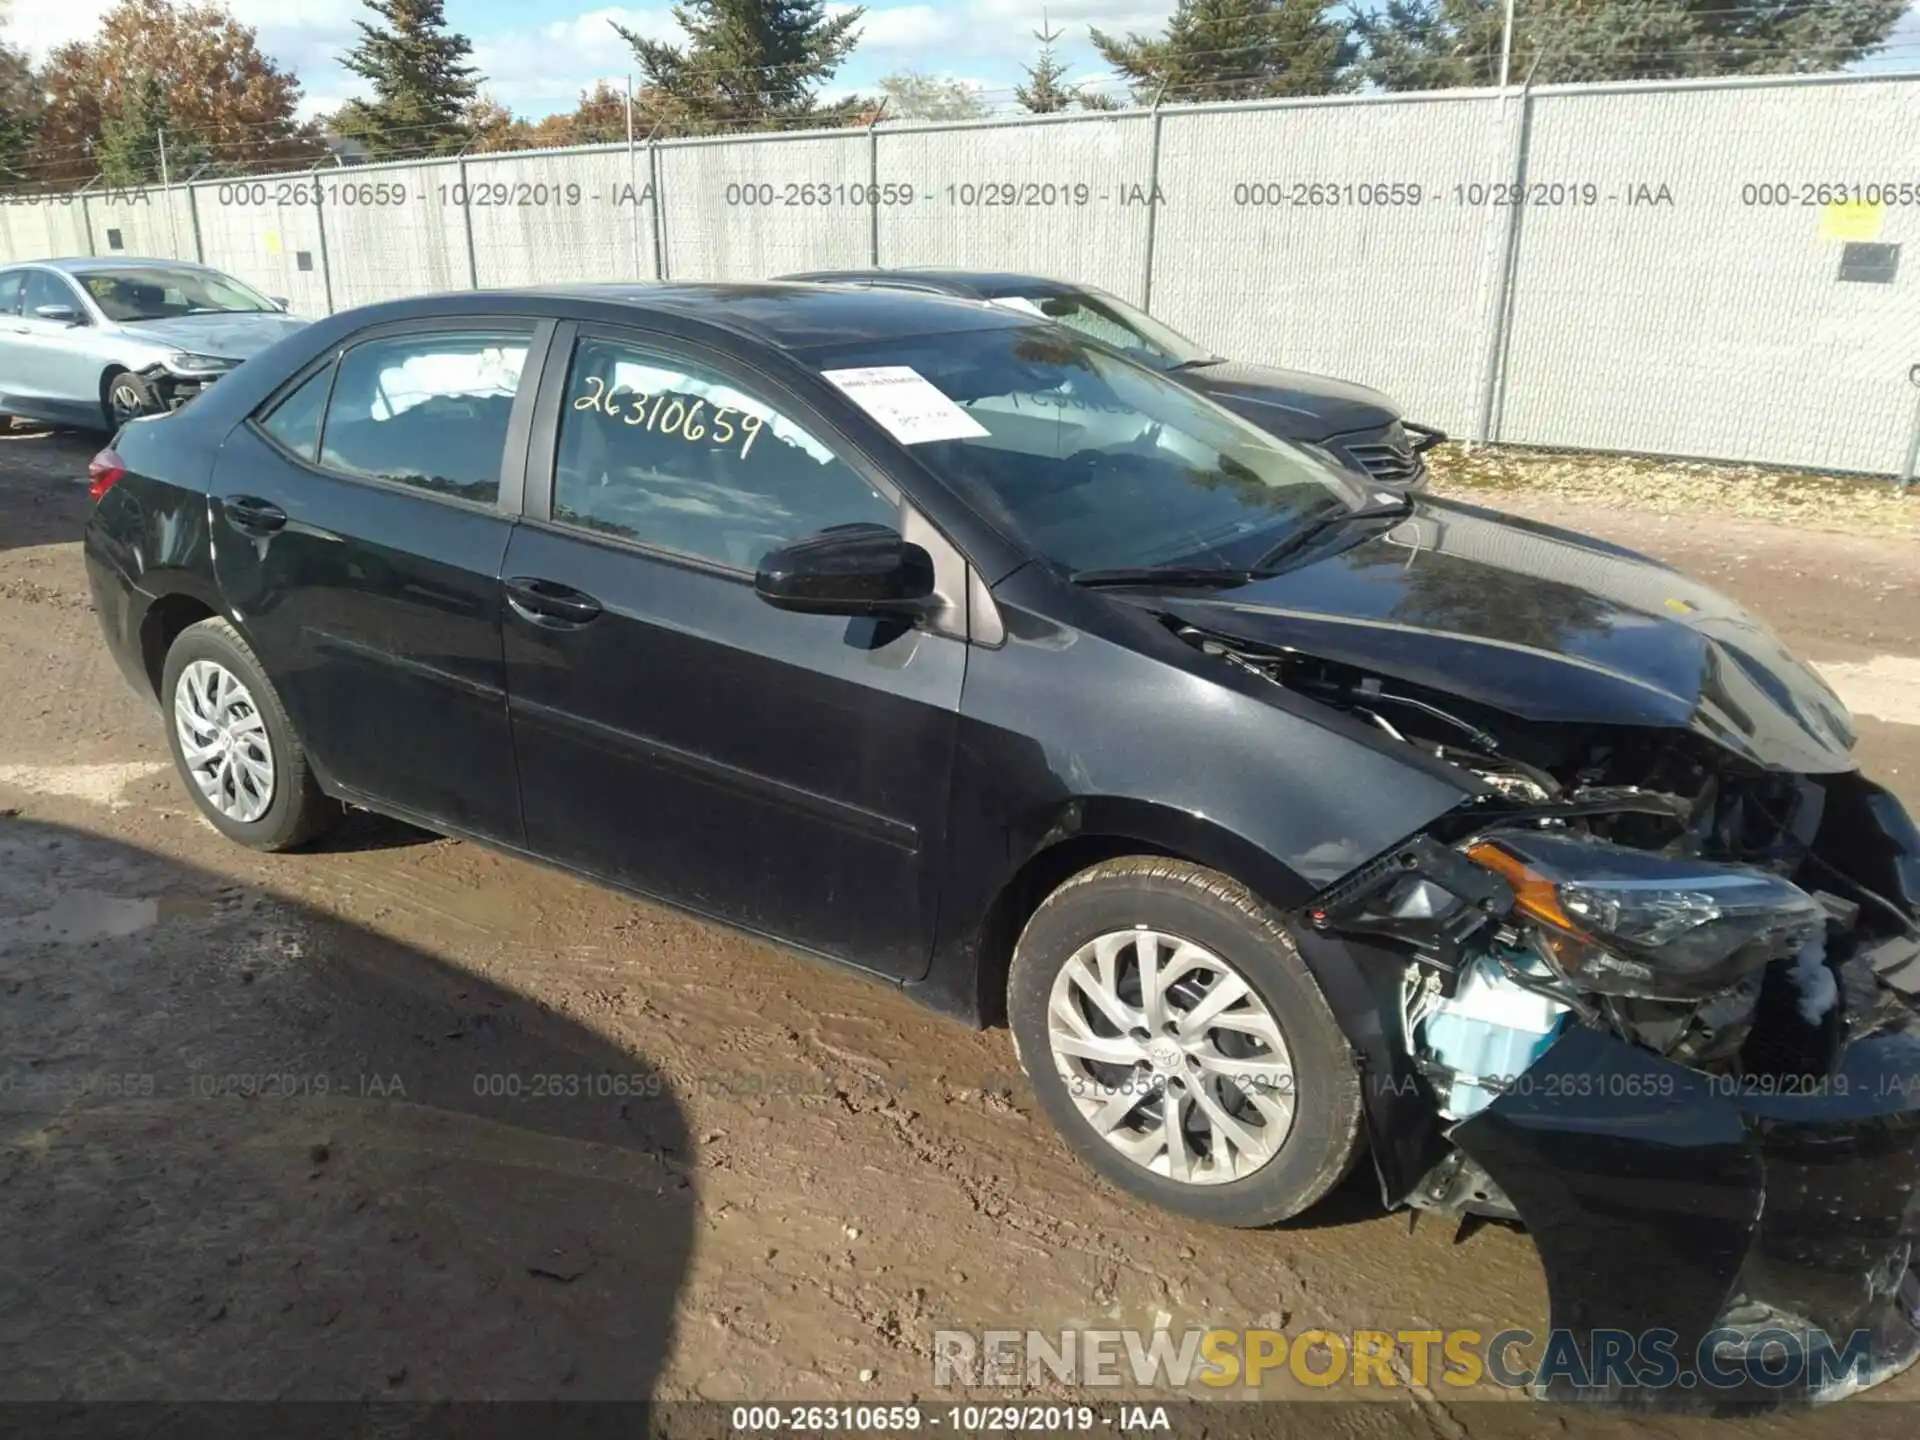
(159, 292)
(1090, 459)
(1112, 321)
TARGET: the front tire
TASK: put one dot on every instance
(125, 396)
(1181, 1046)
(233, 744)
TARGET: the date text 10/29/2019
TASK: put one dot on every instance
(989, 1419)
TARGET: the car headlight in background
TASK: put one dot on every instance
(185, 362)
(1624, 922)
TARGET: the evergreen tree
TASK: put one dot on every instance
(1439, 44)
(129, 152)
(422, 85)
(747, 64)
(1045, 90)
(1238, 50)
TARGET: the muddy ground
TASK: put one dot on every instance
(269, 1126)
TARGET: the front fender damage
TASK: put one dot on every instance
(1651, 991)
(1722, 1180)
(1746, 1226)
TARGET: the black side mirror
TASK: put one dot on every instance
(64, 314)
(848, 570)
(280, 302)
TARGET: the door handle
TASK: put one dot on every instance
(249, 512)
(547, 602)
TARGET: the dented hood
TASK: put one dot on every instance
(1544, 624)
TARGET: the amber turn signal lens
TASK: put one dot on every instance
(1533, 893)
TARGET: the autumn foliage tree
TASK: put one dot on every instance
(224, 101)
(599, 119)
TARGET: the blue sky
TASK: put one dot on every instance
(539, 54)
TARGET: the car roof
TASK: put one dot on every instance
(973, 284)
(81, 264)
(794, 316)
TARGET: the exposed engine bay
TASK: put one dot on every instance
(1636, 929)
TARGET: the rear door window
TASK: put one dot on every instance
(11, 283)
(428, 411)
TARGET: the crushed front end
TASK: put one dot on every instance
(1655, 1000)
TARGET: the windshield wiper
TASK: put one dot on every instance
(1164, 575)
(1381, 506)
(1201, 363)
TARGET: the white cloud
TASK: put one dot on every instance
(1002, 29)
(539, 70)
(38, 26)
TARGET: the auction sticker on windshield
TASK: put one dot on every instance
(905, 401)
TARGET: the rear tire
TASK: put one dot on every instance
(1264, 1081)
(236, 750)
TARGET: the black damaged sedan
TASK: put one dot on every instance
(1288, 823)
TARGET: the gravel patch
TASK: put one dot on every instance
(1519, 479)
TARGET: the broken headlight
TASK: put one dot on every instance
(1623, 922)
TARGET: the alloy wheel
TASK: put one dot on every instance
(1171, 1056)
(223, 741)
(126, 402)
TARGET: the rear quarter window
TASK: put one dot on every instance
(294, 421)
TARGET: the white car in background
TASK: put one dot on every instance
(96, 342)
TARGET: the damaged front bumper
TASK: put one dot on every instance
(1738, 1233)
(1770, 1236)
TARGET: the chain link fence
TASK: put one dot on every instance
(1719, 269)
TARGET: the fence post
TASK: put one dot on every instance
(326, 267)
(1908, 471)
(1493, 374)
(466, 219)
(873, 190)
(659, 211)
(166, 188)
(193, 221)
(86, 220)
(1153, 204)
(633, 174)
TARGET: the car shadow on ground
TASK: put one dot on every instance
(249, 1151)
(43, 482)
(370, 830)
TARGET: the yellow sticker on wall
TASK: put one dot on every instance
(1851, 220)
(273, 242)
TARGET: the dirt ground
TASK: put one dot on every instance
(269, 1129)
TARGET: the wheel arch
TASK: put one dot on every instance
(1359, 982)
(185, 600)
(1084, 833)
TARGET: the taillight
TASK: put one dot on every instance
(106, 469)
